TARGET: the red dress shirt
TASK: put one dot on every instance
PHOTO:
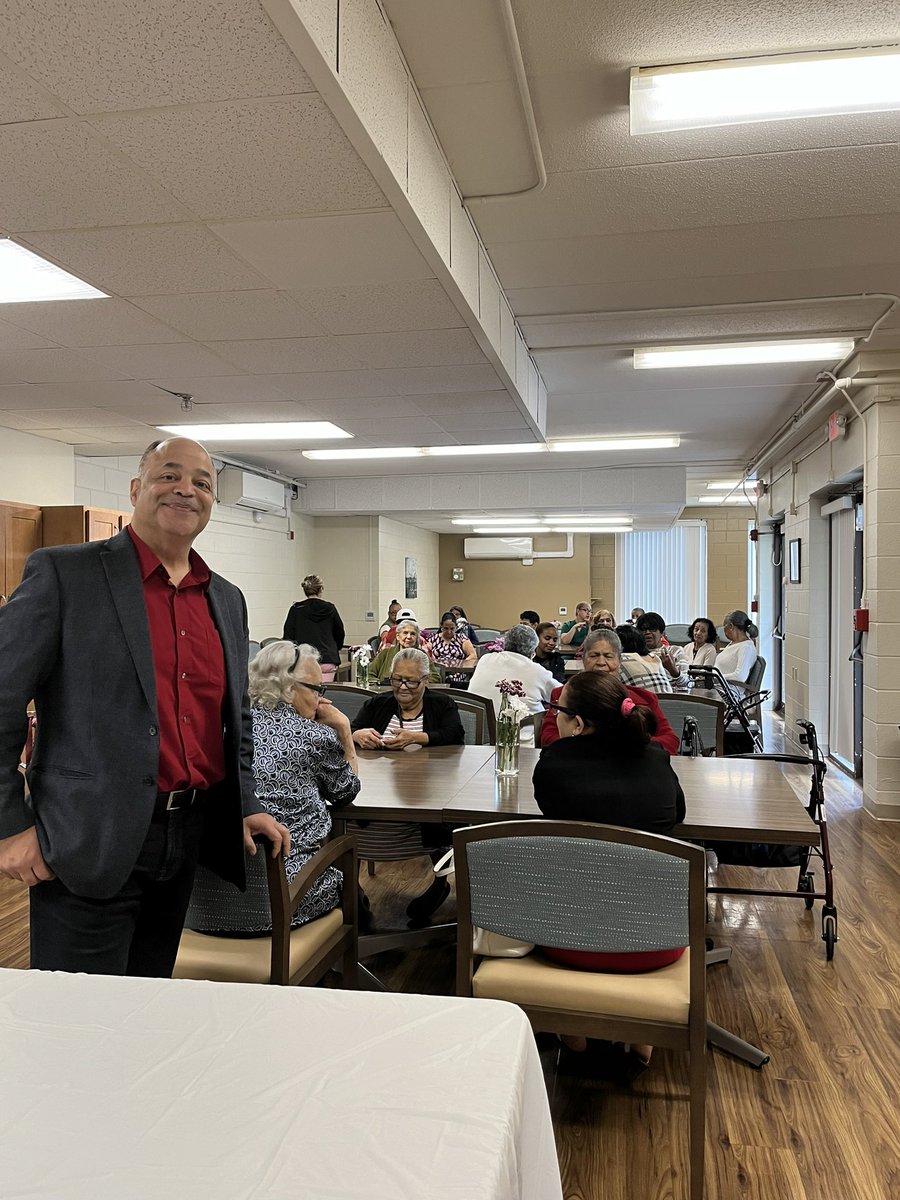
(190, 673)
(665, 735)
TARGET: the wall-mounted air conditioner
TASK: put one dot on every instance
(497, 547)
(243, 489)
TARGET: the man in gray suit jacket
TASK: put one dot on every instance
(136, 657)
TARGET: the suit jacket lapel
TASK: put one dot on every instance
(119, 561)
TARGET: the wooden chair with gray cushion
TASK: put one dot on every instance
(595, 888)
(348, 697)
(483, 734)
(677, 635)
(289, 956)
(709, 715)
(487, 635)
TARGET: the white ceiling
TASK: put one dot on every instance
(179, 158)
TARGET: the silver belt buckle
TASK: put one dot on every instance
(172, 807)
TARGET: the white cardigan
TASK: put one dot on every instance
(736, 661)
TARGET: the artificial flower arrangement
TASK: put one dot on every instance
(361, 658)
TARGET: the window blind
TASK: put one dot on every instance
(663, 571)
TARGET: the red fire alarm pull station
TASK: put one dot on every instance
(754, 535)
(861, 620)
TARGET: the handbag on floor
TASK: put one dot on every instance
(484, 941)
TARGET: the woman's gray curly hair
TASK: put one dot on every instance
(271, 677)
(521, 639)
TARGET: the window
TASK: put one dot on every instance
(663, 571)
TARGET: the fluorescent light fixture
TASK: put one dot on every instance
(729, 354)
(628, 443)
(260, 431)
(357, 455)
(771, 88)
(495, 520)
(582, 520)
(722, 485)
(736, 499)
(511, 530)
(428, 451)
(25, 277)
(597, 529)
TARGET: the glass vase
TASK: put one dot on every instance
(362, 673)
(507, 740)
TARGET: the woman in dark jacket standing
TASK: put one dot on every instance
(317, 623)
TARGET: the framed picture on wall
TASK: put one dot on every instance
(411, 577)
(794, 561)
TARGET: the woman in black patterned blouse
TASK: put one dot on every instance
(304, 760)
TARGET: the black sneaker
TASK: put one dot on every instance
(420, 910)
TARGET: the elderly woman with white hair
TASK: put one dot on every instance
(304, 760)
(408, 636)
(515, 661)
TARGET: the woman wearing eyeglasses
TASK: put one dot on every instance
(408, 715)
(304, 760)
(602, 655)
(605, 768)
(407, 637)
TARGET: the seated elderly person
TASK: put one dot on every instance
(514, 662)
(574, 632)
(737, 660)
(409, 716)
(408, 637)
(304, 760)
(603, 653)
(449, 647)
(640, 667)
(653, 627)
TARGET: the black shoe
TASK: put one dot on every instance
(420, 909)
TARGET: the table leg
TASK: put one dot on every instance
(732, 1044)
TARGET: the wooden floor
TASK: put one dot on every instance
(817, 1123)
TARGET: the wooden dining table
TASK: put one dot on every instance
(727, 799)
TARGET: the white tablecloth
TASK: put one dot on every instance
(155, 1089)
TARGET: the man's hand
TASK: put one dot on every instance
(262, 824)
(21, 858)
(368, 739)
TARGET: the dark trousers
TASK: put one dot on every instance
(135, 932)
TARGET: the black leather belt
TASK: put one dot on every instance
(173, 801)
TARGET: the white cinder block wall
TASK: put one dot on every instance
(396, 543)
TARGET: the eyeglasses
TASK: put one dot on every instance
(319, 688)
(409, 684)
(570, 712)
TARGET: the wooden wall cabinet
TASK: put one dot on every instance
(72, 524)
(20, 533)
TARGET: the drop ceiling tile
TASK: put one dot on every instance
(13, 337)
(100, 393)
(141, 262)
(52, 366)
(96, 322)
(25, 396)
(66, 176)
(340, 411)
(396, 431)
(395, 437)
(23, 421)
(429, 348)
(474, 436)
(149, 362)
(224, 316)
(375, 79)
(738, 190)
(77, 418)
(381, 308)
(285, 410)
(464, 403)
(151, 53)
(21, 99)
(332, 385)
(253, 158)
(459, 422)
(280, 355)
(358, 248)
(412, 381)
(239, 389)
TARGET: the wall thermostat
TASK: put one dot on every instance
(457, 574)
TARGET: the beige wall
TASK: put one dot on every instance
(495, 592)
(35, 470)
(603, 573)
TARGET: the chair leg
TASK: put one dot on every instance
(697, 1101)
(370, 866)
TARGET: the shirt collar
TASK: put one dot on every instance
(148, 563)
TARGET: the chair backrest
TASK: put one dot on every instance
(488, 635)
(484, 734)
(254, 650)
(374, 643)
(755, 678)
(268, 641)
(678, 634)
(578, 886)
(348, 698)
(709, 715)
